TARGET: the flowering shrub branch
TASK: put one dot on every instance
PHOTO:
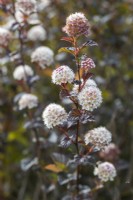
(85, 97)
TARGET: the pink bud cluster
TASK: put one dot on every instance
(76, 25)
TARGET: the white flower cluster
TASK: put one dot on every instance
(54, 115)
(37, 33)
(26, 11)
(89, 82)
(99, 137)
(28, 101)
(26, 6)
(90, 98)
(62, 74)
(30, 19)
(5, 36)
(105, 171)
(43, 56)
(22, 72)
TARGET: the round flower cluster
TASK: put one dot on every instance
(105, 171)
(87, 63)
(5, 37)
(26, 6)
(110, 153)
(21, 17)
(54, 115)
(28, 101)
(30, 19)
(43, 56)
(90, 98)
(76, 25)
(22, 72)
(62, 74)
(89, 82)
(36, 33)
(99, 137)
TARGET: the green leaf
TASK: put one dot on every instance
(70, 50)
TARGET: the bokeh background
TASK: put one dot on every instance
(112, 29)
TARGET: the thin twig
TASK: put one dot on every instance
(77, 133)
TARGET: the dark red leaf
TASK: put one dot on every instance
(87, 75)
(86, 117)
(73, 117)
(89, 43)
(66, 142)
(64, 93)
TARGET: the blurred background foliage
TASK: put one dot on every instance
(112, 29)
